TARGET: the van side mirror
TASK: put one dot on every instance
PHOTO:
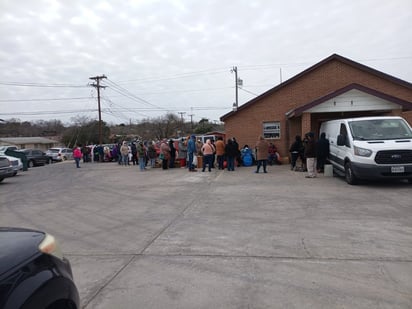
(341, 141)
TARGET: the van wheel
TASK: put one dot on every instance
(349, 176)
(30, 163)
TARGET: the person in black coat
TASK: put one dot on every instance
(296, 152)
(322, 152)
(172, 154)
(310, 155)
(134, 153)
(230, 153)
(238, 154)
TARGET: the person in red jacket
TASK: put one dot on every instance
(77, 155)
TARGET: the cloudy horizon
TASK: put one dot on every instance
(176, 56)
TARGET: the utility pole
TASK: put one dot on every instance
(191, 118)
(234, 70)
(238, 82)
(181, 115)
(97, 86)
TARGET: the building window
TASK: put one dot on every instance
(271, 129)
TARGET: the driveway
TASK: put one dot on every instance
(173, 239)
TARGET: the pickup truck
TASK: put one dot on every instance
(6, 169)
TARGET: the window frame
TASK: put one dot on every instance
(274, 133)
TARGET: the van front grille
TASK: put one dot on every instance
(394, 157)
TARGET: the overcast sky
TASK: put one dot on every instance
(176, 56)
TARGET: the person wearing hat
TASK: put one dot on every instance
(310, 155)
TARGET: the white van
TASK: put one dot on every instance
(370, 147)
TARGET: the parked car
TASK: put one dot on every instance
(36, 157)
(60, 154)
(4, 148)
(15, 163)
(33, 272)
(6, 169)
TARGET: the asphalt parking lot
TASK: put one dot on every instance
(173, 239)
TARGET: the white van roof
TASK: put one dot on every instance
(371, 118)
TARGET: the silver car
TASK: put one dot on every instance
(60, 154)
(6, 170)
(16, 163)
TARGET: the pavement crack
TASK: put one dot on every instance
(170, 223)
(305, 248)
(108, 281)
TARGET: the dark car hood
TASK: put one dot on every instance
(17, 245)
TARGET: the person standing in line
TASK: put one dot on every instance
(165, 151)
(207, 151)
(212, 141)
(172, 154)
(77, 155)
(273, 155)
(182, 152)
(191, 150)
(116, 154)
(262, 150)
(141, 152)
(124, 152)
(151, 154)
(230, 153)
(310, 155)
(322, 152)
(129, 155)
(100, 151)
(220, 152)
(85, 153)
(238, 154)
(134, 153)
(296, 151)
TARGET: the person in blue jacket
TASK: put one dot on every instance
(191, 151)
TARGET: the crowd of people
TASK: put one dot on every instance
(313, 154)
(190, 153)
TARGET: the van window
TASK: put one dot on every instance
(344, 132)
(379, 129)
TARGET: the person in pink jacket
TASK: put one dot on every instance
(77, 155)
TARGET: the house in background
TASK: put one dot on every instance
(29, 142)
(334, 88)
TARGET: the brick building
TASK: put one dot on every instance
(334, 88)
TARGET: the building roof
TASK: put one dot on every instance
(333, 57)
(26, 140)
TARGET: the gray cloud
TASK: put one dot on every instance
(147, 47)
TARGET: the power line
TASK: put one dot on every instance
(187, 90)
(182, 75)
(133, 110)
(249, 91)
(20, 84)
(119, 89)
(49, 99)
(50, 112)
